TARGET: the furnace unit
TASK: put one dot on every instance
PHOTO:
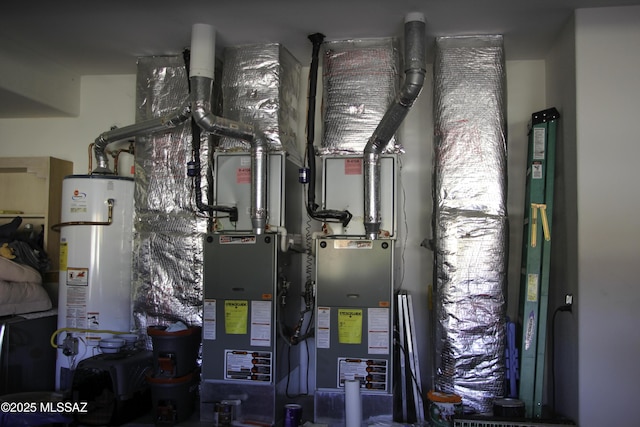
(354, 297)
(354, 325)
(355, 261)
(251, 292)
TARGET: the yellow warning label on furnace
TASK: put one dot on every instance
(236, 313)
(349, 326)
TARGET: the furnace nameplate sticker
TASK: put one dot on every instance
(372, 373)
(237, 365)
(261, 323)
(378, 330)
(323, 328)
(235, 317)
(248, 365)
(349, 326)
(237, 240)
(352, 244)
(209, 320)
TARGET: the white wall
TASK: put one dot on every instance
(561, 93)
(608, 148)
(415, 263)
(105, 101)
(526, 95)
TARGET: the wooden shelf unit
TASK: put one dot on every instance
(31, 187)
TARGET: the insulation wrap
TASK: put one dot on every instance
(167, 262)
(470, 129)
(260, 87)
(360, 81)
(470, 218)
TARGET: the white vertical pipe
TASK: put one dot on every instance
(352, 403)
(203, 50)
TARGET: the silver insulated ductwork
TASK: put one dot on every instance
(168, 239)
(415, 70)
(202, 74)
(470, 218)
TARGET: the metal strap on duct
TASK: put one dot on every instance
(470, 222)
(167, 265)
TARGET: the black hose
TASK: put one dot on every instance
(562, 308)
(312, 207)
(316, 40)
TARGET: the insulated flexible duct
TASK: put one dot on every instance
(415, 70)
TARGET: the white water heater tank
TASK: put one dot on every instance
(96, 247)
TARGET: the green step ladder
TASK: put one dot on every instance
(536, 258)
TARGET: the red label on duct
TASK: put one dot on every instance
(353, 166)
(243, 176)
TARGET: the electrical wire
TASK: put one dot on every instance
(308, 243)
(73, 359)
(406, 229)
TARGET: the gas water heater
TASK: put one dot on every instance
(95, 266)
(251, 290)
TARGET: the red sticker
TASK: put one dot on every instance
(353, 166)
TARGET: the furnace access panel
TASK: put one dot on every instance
(354, 313)
(238, 313)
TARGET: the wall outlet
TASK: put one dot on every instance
(568, 299)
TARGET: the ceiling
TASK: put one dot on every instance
(107, 36)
